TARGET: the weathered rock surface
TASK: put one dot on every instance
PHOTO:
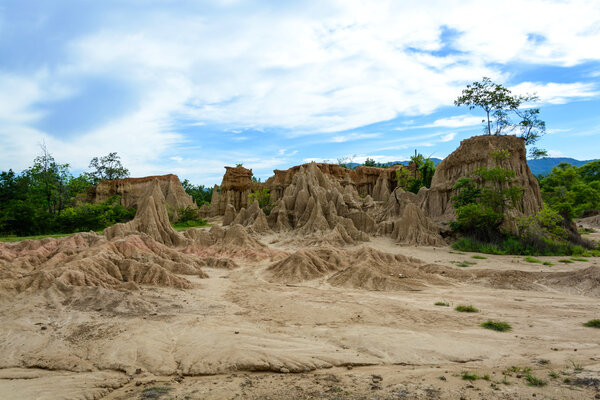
(151, 218)
(474, 153)
(134, 190)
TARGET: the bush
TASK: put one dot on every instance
(508, 244)
(94, 217)
(469, 309)
(263, 196)
(496, 326)
(595, 323)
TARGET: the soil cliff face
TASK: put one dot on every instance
(134, 190)
(474, 153)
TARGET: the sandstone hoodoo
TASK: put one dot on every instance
(151, 218)
(134, 190)
(474, 153)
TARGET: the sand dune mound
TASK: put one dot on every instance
(223, 244)
(151, 218)
(364, 268)
(91, 260)
(584, 282)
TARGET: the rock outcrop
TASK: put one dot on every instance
(151, 218)
(134, 190)
(474, 153)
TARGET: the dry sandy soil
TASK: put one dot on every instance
(241, 333)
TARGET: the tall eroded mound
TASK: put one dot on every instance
(225, 243)
(402, 219)
(474, 153)
(134, 190)
(364, 268)
(151, 218)
(316, 206)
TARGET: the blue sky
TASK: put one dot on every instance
(188, 87)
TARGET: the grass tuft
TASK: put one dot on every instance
(496, 326)
(548, 263)
(464, 264)
(579, 259)
(442, 303)
(469, 308)
(566, 261)
(594, 323)
(534, 381)
(533, 260)
(477, 257)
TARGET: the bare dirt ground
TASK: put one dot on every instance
(237, 335)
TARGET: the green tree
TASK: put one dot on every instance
(107, 168)
(500, 105)
(200, 193)
(369, 162)
(483, 200)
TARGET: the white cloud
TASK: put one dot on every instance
(555, 153)
(353, 136)
(448, 137)
(324, 67)
(558, 93)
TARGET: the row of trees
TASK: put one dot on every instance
(43, 198)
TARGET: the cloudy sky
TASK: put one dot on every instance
(190, 86)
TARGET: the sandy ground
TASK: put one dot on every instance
(234, 335)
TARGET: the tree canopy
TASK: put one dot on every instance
(505, 112)
(107, 168)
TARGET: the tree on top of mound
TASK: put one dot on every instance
(107, 168)
(501, 106)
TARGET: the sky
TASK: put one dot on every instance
(187, 87)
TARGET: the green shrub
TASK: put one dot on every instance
(263, 196)
(533, 260)
(594, 323)
(496, 326)
(534, 381)
(469, 309)
(442, 303)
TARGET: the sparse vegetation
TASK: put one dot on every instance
(553, 374)
(464, 264)
(263, 196)
(496, 326)
(579, 259)
(566, 261)
(530, 259)
(471, 376)
(468, 309)
(534, 381)
(548, 263)
(594, 323)
(478, 257)
(442, 303)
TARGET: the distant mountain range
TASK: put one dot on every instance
(544, 166)
(541, 166)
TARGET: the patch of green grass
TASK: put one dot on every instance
(594, 323)
(548, 263)
(567, 380)
(534, 381)
(533, 260)
(442, 303)
(553, 374)
(478, 257)
(469, 308)
(13, 238)
(471, 376)
(182, 226)
(464, 264)
(566, 261)
(515, 246)
(579, 259)
(496, 326)
(576, 366)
